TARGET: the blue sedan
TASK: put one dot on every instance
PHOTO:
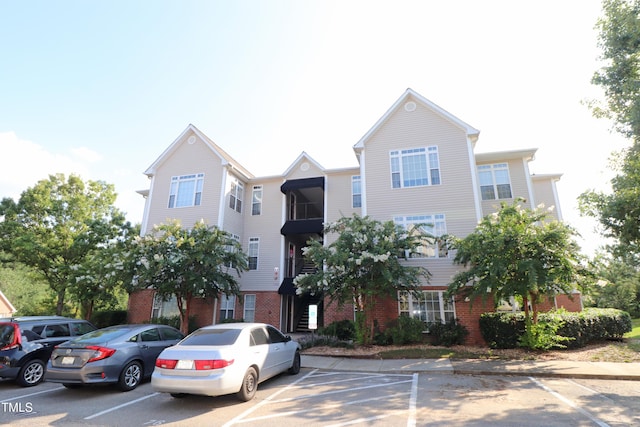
(122, 355)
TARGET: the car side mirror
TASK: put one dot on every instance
(287, 338)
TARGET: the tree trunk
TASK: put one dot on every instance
(60, 302)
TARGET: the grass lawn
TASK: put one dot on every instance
(635, 332)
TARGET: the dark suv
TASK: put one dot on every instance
(26, 344)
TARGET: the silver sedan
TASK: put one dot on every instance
(224, 359)
(122, 355)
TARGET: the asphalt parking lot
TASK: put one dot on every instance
(318, 397)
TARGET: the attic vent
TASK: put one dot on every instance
(191, 139)
(304, 166)
(410, 106)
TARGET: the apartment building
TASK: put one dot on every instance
(417, 164)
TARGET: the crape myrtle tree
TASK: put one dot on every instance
(619, 41)
(101, 280)
(57, 224)
(518, 252)
(200, 262)
(363, 264)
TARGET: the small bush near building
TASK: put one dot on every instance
(102, 319)
(401, 331)
(175, 322)
(505, 330)
(447, 334)
(343, 330)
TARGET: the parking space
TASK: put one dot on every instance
(337, 399)
(322, 397)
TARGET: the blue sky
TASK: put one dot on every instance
(100, 89)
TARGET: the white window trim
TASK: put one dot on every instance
(227, 304)
(492, 168)
(249, 308)
(174, 187)
(253, 250)
(257, 189)
(356, 179)
(441, 304)
(437, 228)
(236, 195)
(399, 154)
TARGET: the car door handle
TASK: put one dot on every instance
(144, 346)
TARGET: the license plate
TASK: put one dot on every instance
(68, 360)
(184, 364)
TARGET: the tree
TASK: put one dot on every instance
(101, 280)
(619, 40)
(517, 252)
(188, 264)
(363, 264)
(56, 224)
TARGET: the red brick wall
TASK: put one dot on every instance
(139, 306)
(563, 301)
(468, 315)
(333, 313)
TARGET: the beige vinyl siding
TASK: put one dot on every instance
(266, 227)
(518, 176)
(233, 221)
(186, 159)
(304, 168)
(339, 196)
(453, 197)
(545, 195)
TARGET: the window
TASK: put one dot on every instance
(254, 246)
(249, 308)
(415, 167)
(236, 195)
(256, 200)
(186, 190)
(231, 248)
(168, 308)
(227, 306)
(428, 306)
(434, 225)
(494, 180)
(356, 191)
(150, 335)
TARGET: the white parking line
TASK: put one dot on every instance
(323, 407)
(307, 396)
(570, 403)
(267, 400)
(411, 421)
(115, 408)
(32, 394)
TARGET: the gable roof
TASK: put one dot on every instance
(301, 157)
(7, 303)
(223, 155)
(497, 156)
(410, 93)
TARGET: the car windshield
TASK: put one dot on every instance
(212, 337)
(101, 335)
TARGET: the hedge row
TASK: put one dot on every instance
(503, 330)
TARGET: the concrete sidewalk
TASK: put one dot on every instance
(555, 368)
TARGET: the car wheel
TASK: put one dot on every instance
(295, 367)
(249, 385)
(31, 374)
(130, 376)
(72, 386)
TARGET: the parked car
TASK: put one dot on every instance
(224, 359)
(122, 355)
(26, 344)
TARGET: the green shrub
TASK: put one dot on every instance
(102, 319)
(404, 330)
(544, 334)
(175, 322)
(504, 330)
(343, 330)
(447, 334)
